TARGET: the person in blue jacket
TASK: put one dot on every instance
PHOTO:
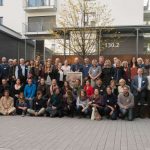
(29, 93)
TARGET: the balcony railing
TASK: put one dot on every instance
(31, 5)
(38, 27)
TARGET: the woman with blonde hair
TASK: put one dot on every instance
(127, 73)
(48, 73)
(122, 84)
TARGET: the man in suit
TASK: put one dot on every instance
(139, 87)
(21, 71)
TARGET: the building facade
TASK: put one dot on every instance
(35, 19)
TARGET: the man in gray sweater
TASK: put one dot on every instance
(126, 103)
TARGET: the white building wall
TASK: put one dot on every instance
(13, 14)
(124, 12)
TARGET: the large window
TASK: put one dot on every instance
(40, 24)
(1, 20)
(38, 3)
(1, 2)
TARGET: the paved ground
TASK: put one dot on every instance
(28, 133)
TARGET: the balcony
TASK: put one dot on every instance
(40, 5)
(38, 29)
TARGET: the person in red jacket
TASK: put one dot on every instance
(88, 89)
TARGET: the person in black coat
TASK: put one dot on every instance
(118, 72)
(110, 103)
(4, 69)
(100, 86)
(4, 86)
(43, 87)
(107, 73)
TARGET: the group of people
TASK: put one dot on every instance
(108, 89)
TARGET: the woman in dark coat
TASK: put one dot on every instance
(107, 73)
(110, 103)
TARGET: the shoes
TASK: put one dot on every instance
(23, 114)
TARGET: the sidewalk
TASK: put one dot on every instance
(30, 133)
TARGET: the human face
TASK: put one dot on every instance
(29, 81)
(21, 95)
(121, 82)
(125, 90)
(139, 61)
(107, 63)
(42, 81)
(4, 59)
(87, 83)
(31, 62)
(96, 92)
(109, 91)
(18, 81)
(65, 84)
(140, 71)
(117, 63)
(94, 63)
(57, 60)
(36, 63)
(66, 62)
(101, 60)
(99, 82)
(77, 82)
(14, 62)
(76, 60)
(82, 94)
(22, 61)
(6, 93)
(4, 81)
(86, 61)
(54, 82)
(59, 65)
(133, 59)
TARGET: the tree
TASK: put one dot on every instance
(82, 23)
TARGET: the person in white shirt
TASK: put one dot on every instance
(66, 68)
(148, 89)
(21, 71)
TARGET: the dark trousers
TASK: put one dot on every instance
(80, 113)
(127, 113)
(107, 111)
(148, 97)
(54, 112)
(20, 111)
(69, 110)
(140, 98)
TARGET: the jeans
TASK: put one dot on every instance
(30, 104)
(127, 112)
(107, 111)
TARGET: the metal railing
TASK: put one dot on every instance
(40, 3)
(38, 26)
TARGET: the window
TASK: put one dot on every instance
(1, 2)
(38, 3)
(1, 20)
(39, 24)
